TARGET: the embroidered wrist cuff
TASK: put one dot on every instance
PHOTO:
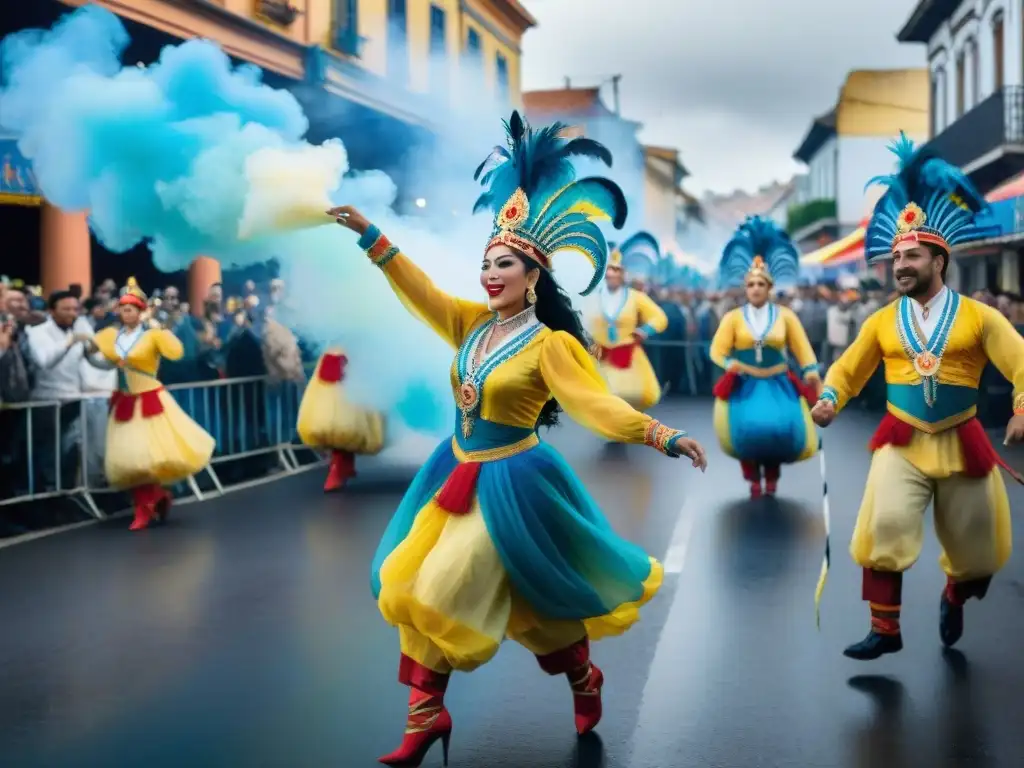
(647, 331)
(807, 370)
(369, 237)
(830, 394)
(1018, 404)
(660, 437)
(377, 247)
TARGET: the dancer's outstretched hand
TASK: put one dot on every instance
(1015, 430)
(823, 413)
(684, 446)
(350, 218)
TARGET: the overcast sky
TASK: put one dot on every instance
(732, 83)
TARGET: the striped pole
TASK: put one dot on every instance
(828, 555)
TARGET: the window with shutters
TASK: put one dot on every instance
(960, 83)
(438, 50)
(346, 27)
(998, 51)
(398, 42)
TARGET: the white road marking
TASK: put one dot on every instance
(675, 558)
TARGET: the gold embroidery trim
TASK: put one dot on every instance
(494, 454)
(1018, 404)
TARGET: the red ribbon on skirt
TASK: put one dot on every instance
(332, 368)
(456, 495)
(979, 455)
(725, 386)
(122, 404)
(617, 357)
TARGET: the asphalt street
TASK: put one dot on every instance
(244, 634)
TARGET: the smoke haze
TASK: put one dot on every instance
(195, 156)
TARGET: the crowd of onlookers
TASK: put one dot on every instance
(237, 336)
(42, 363)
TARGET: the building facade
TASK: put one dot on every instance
(583, 110)
(975, 54)
(390, 65)
(847, 145)
(667, 208)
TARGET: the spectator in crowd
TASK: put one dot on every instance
(841, 320)
(57, 348)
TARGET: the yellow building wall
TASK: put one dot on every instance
(316, 23)
(884, 102)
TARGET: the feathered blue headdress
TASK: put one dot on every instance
(759, 248)
(539, 207)
(639, 252)
(928, 201)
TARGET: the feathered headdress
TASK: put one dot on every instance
(759, 248)
(132, 294)
(539, 207)
(928, 201)
(639, 252)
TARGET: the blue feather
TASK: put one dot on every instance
(947, 196)
(561, 209)
(758, 236)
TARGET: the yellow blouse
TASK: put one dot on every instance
(139, 367)
(639, 310)
(979, 334)
(734, 344)
(552, 365)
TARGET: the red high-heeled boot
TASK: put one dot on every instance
(429, 720)
(146, 498)
(585, 679)
(342, 469)
(771, 478)
(752, 474)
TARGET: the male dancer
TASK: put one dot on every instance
(930, 447)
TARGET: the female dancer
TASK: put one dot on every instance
(496, 536)
(151, 442)
(328, 421)
(761, 410)
(628, 318)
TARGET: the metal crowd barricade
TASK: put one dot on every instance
(247, 417)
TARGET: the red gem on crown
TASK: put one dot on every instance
(511, 212)
(909, 217)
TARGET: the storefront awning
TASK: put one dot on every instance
(840, 248)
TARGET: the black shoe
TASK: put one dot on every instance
(951, 622)
(874, 645)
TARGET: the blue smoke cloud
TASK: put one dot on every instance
(197, 157)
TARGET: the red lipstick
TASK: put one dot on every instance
(495, 290)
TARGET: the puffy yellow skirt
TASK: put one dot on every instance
(327, 420)
(637, 385)
(164, 449)
(445, 588)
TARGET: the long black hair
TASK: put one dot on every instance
(555, 310)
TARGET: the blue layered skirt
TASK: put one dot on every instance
(765, 420)
(526, 554)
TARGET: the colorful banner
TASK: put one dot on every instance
(17, 182)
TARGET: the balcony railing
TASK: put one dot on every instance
(995, 122)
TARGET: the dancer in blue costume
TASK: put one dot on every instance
(762, 415)
(496, 537)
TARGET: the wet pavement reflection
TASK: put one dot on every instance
(244, 634)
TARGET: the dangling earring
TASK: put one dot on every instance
(531, 295)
